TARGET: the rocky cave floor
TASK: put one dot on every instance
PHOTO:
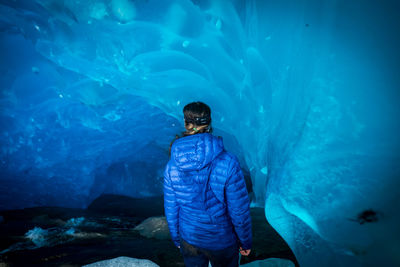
(105, 230)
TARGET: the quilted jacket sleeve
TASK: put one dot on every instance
(238, 205)
(171, 207)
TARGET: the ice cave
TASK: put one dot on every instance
(305, 93)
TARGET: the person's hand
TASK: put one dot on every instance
(244, 252)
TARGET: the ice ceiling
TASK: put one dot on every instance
(92, 94)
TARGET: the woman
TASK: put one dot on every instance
(205, 197)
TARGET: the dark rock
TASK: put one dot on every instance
(128, 206)
(75, 237)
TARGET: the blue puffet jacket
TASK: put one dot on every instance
(205, 197)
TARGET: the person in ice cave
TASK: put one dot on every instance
(205, 197)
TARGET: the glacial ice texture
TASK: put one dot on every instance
(92, 92)
(123, 261)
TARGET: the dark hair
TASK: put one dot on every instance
(197, 118)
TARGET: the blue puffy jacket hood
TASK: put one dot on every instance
(194, 152)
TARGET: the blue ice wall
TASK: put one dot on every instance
(92, 92)
(66, 139)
